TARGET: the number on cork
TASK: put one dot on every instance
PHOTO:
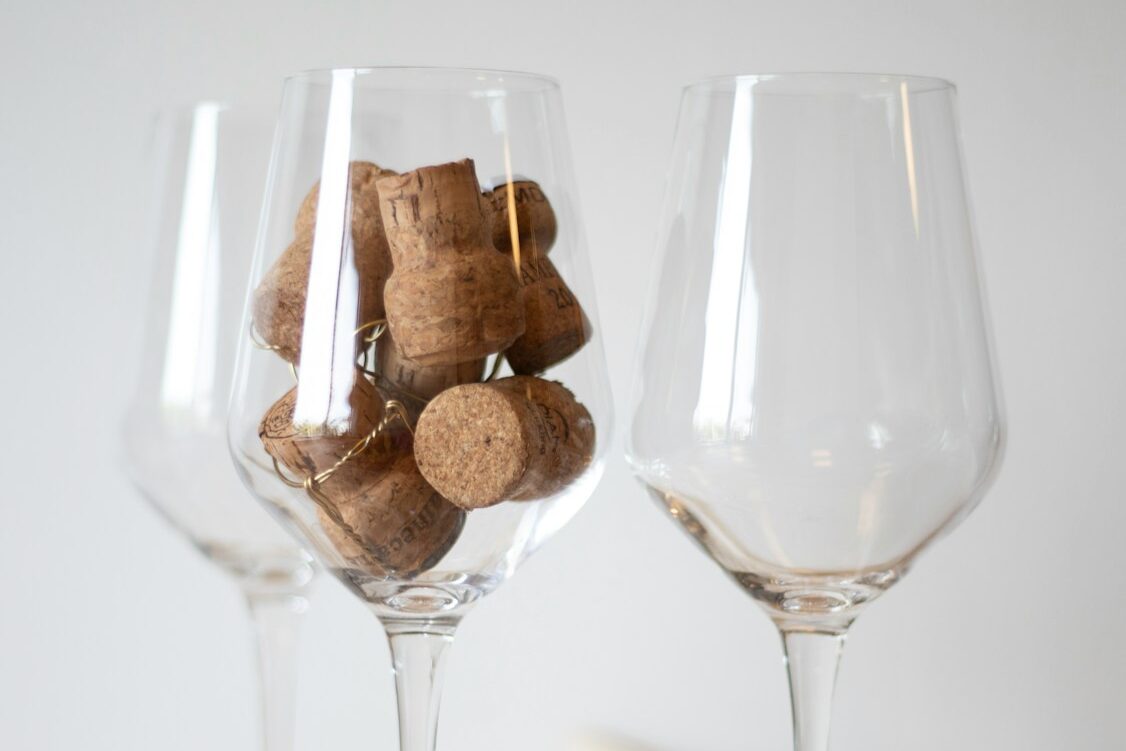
(555, 326)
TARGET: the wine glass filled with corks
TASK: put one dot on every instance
(421, 393)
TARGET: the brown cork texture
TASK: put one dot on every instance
(279, 299)
(422, 381)
(451, 298)
(405, 524)
(518, 438)
(555, 325)
(396, 523)
(535, 219)
(308, 449)
(569, 444)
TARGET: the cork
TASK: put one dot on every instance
(279, 299)
(398, 523)
(535, 219)
(451, 297)
(422, 381)
(308, 449)
(518, 438)
(555, 325)
(405, 524)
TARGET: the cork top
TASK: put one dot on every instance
(433, 209)
(520, 438)
(482, 463)
(535, 219)
(309, 449)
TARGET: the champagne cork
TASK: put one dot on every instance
(279, 299)
(396, 523)
(451, 297)
(307, 449)
(405, 524)
(518, 438)
(422, 381)
(555, 326)
(535, 219)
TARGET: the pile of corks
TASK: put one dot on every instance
(459, 276)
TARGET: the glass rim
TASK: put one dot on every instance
(916, 84)
(496, 78)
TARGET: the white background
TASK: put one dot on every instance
(114, 634)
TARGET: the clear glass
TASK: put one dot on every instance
(395, 288)
(816, 400)
(209, 167)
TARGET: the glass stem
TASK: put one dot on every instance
(276, 618)
(811, 660)
(418, 656)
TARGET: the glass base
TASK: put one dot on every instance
(427, 596)
(820, 603)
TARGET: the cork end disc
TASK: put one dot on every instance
(470, 445)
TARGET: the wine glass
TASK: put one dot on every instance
(816, 399)
(421, 393)
(210, 165)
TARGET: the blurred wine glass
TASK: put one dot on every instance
(816, 398)
(421, 393)
(209, 168)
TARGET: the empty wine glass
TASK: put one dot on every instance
(816, 400)
(420, 240)
(210, 164)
